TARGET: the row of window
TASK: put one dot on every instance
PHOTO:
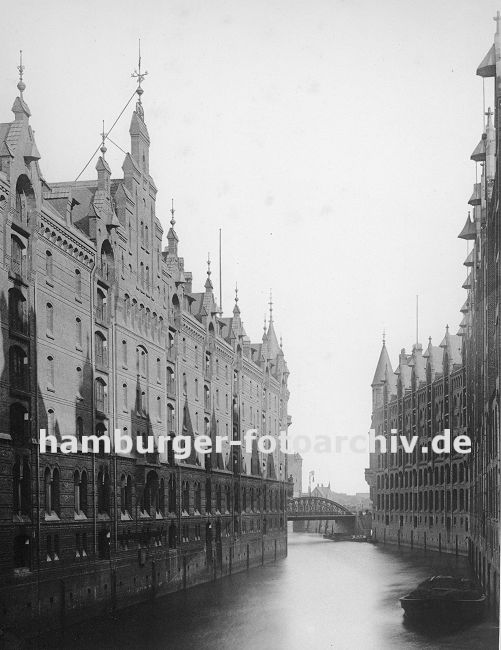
(425, 476)
(427, 500)
(151, 500)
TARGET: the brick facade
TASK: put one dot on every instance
(102, 329)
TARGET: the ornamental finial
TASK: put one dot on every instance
(172, 211)
(139, 76)
(103, 138)
(21, 86)
(208, 265)
(497, 19)
(236, 293)
(271, 307)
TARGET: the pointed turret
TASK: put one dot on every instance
(469, 231)
(490, 149)
(172, 237)
(383, 363)
(140, 139)
(273, 346)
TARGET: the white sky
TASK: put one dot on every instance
(329, 140)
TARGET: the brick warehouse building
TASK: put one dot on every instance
(421, 499)
(102, 329)
(451, 503)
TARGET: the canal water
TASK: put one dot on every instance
(323, 595)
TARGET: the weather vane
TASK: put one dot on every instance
(139, 76)
(172, 211)
(21, 86)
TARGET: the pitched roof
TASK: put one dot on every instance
(487, 67)
(382, 364)
(469, 231)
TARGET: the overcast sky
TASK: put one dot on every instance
(329, 140)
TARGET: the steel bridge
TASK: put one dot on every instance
(310, 508)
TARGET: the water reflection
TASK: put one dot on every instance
(324, 595)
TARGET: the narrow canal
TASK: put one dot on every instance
(324, 595)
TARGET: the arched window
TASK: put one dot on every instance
(185, 384)
(21, 484)
(101, 305)
(186, 497)
(78, 283)
(51, 422)
(101, 349)
(172, 493)
(206, 397)
(142, 361)
(161, 497)
(208, 496)
(101, 395)
(198, 497)
(49, 268)
(219, 498)
(126, 494)
(170, 418)
(17, 257)
(78, 333)
(76, 491)
(103, 492)
(51, 489)
(79, 429)
(18, 368)
(107, 261)
(49, 318)
(50, 372)
(196, 388)
(124, 397)
(159, 408)
(17, 311)
(170, 382)
(126, 308)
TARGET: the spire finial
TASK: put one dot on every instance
(271, 307)
(103, 138)
(384, 337)
(21, 86)
(489, 114)
(264, 326)
(281, 345)
(208, 265)
(497, 19)
(172, 211)
(236, 293)
(139, 76)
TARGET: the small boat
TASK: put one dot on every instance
(445, 597)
